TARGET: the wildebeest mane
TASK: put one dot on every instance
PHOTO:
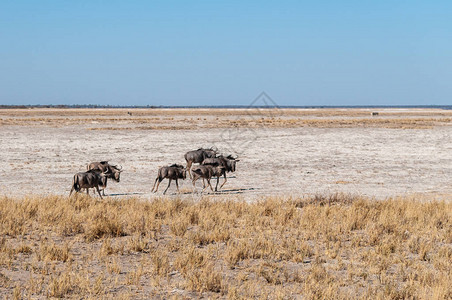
(202, 148)
(177, 166)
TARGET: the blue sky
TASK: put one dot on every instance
(220, 53)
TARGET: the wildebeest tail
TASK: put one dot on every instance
(76, 184)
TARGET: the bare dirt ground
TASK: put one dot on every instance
(281, 152)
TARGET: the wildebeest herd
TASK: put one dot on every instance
(210, 165)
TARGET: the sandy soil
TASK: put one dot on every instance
(379, 162)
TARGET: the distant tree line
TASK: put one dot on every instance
(73, 106)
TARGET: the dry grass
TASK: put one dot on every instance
(164, 119)
(327, 247)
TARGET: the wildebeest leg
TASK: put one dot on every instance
(203, 183)
(103, 189)
(87, 191)
(154, 184)
(177, 186)
(189, 168)
(167, 186)
(195, 177)
(203, 189)
(224, 180)
(97, 188)
(218, 179)
(208, 182)
(157, 187)
(105, 185)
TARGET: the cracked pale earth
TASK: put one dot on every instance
(282, 152)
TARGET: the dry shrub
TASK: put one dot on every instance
(17, 293)
(190, 258)
(51, 251)
(103, 222)
(204, 279)
(202, 237)
(273, 273)
(106, 248)
(320, 284)
(330, 199)
(82, 214)
(134, 277)
(327, 246)
(235, 252)
(23, 248)
(60, 285)
(160, 263)
(4, 280)
(113, 266)
(13, 218)
(179, 226)
(138, 244)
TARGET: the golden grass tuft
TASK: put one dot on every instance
(51, 251)
(326, 246)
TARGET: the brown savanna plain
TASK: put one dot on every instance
(325, 204)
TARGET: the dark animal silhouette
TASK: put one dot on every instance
(197, 156)
(206, 172)
(228, 163)
(87, 180)
(173, 172)
(111, 171)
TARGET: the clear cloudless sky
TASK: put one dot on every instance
(226, 52)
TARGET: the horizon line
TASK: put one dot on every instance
(62, 106)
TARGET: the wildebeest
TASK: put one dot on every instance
(111, 171)
(197, 156)
(87, 180)
(173, 172)
(206, 172)
(227, 162)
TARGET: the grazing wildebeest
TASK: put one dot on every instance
(227, 162)
(173, 172)
(87, 180)
(206, 172)
(111, 171)
(197, 156)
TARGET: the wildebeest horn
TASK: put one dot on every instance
(120, 168)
